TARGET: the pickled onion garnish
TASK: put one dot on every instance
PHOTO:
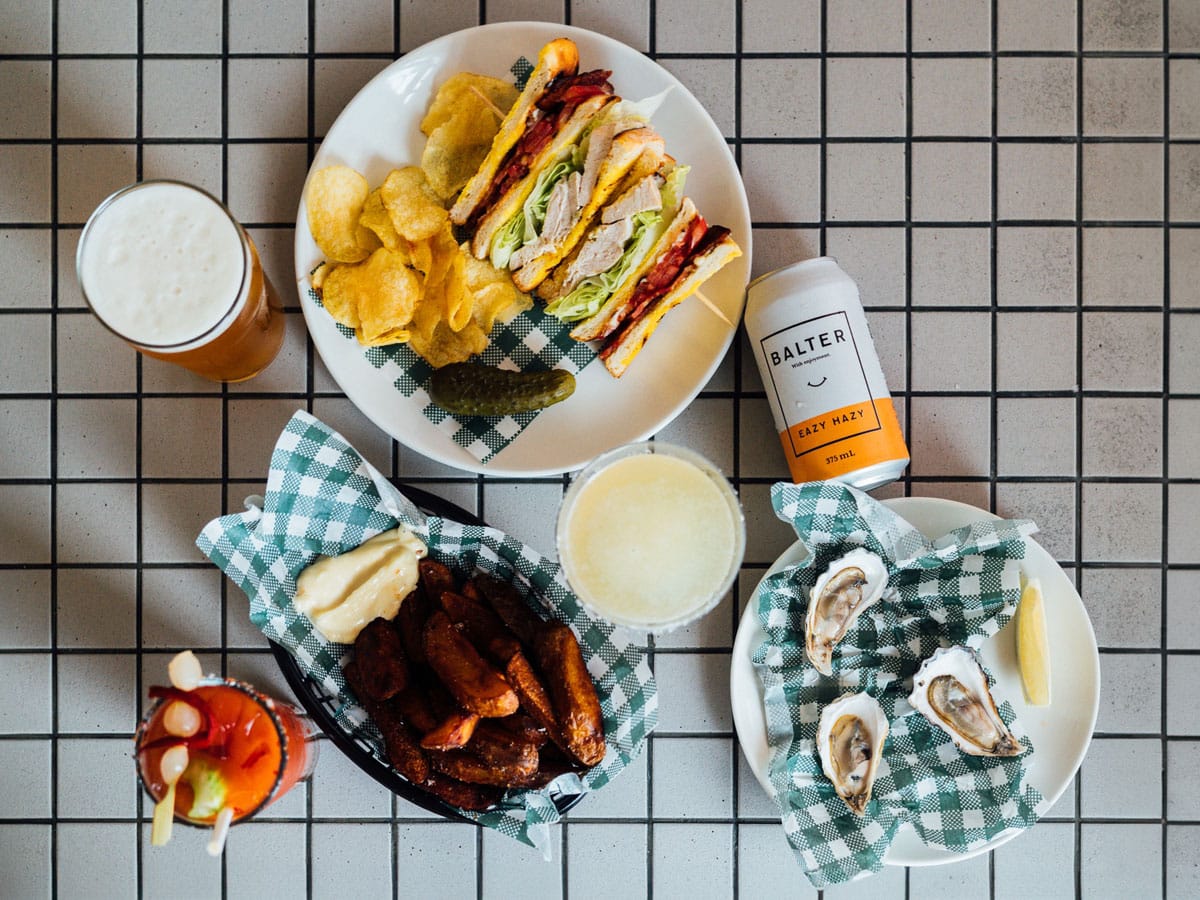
(184, 671)
(181, 719)
(202, 738)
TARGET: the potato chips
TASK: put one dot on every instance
(335, 199)
(461, 123)
(394, 272)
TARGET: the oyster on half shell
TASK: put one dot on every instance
(850, 585)
(951, 691)
(850, 738)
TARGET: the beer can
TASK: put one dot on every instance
(827, 393)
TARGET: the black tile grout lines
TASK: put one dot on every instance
(224, 392)
(667, 55)
(651, 648)
(309, 359)
(993, 296)
(908, 279)
(53, 462)
(139, 494)
(1079, 356)
(736, 456)
(1164, 449)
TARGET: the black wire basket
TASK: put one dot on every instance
(323, 707)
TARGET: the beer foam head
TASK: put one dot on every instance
(161, 264)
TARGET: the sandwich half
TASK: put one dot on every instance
(648, 253)
(564, 148)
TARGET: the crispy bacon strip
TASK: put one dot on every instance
(475, 684)
(557, 105)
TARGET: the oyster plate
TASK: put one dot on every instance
(1061, 732)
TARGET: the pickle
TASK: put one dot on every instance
(474, 390)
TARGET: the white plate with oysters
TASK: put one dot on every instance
(1061, 731)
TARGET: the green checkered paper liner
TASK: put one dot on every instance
(530, 342)
(322, 498)
(961, 589)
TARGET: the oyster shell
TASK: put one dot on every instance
(951, 691)
(850, 585)
(850, 738)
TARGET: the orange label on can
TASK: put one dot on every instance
(843, 440)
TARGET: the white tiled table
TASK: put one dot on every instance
(1014, 184)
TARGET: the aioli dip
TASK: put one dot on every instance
(650, 536)
(341, 594)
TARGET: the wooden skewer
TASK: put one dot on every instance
(712, 306)
(500, 114)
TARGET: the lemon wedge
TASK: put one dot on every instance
(1033, 652)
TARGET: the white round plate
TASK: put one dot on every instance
(1061, 732)
(378, 131)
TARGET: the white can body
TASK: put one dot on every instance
(826, 390)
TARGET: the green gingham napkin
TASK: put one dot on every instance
(323, 498)
(961, 589)
(530, 342)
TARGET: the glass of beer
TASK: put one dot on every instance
(167, 268)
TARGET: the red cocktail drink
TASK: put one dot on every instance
(247, 751)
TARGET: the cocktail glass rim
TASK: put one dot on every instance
(265, 701)
(196, 340)
(706, 466)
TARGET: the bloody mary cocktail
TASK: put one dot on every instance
(247, 750)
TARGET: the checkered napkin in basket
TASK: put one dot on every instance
(323, 498)
(961, 589)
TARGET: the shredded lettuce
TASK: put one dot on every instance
(593, 292)
(672, 190)
(641, 110)
(526, 225)
(508, 239)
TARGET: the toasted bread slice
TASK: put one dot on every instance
(558, 57)
(649, 164)
(628, 343)
(626, 149)
(612, 314)
(507, 206)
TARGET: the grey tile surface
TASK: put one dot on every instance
(1035, 96)
(951, 96)
(1035, 266)
(910, 221)
(1119, 860)
(1122, 266)
(865, 97)
(950, 182)
(1036, 181)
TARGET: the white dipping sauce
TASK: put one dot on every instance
(649, 539)
(343, 594)
(161, 264)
